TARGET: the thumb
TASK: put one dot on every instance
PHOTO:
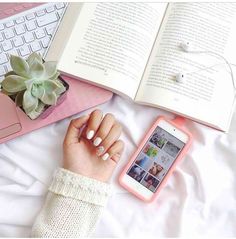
(74, 129)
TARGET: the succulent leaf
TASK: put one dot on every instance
(6, 92)
(35, 113)
(14, 83)
(32, 58)
(61, 88)
(33, 84)
(19, 66)
(49, 98)
(37, 69)
(29, 84)
(10, 73)
(38, 91)
(19, 99)
(30, 103)
(55, 76)
(50, 86)
(58, 82)
(50, 69)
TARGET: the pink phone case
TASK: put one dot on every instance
(176, 123)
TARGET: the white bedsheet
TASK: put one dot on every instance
(199, 199)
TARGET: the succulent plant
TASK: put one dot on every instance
(33, 84)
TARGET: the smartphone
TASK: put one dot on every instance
(155, 159)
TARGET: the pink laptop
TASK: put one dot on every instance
(81, 96)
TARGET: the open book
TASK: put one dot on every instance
(133, 49)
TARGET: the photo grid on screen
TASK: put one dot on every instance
(155, 159)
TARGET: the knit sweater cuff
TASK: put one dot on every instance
(79, 187)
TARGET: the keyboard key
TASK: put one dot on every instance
(50, 9)
(29, 37)
(41, 52)
(1, 27)
(51, 28)
(1, 37)
(60, 5)
(8, 67)
(30, 16)
(45, 41)
(20, 20)
(17, 41)
(10, 24)
(30, 25)
(2, 71)
(39, 33)
(43, 21)
(3, 58)
(28, 32)
(20, 29)
(40, 13)
(13, 52)
(9, 33)
(60, 12)
(7, 45)
(35, 46)
(24, 50)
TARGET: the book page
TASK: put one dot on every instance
(207, 95)
(63, 32)
(111, 42)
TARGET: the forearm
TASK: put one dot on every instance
(73, 206)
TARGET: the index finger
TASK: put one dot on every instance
(73, 129)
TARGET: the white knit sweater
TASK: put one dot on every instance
(73, 206)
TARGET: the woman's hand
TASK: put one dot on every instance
(97, 151)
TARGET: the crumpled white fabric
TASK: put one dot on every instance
(198, 200)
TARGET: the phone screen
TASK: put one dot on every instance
(155, 159)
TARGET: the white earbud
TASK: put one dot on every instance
(181, 77)
(186, 46)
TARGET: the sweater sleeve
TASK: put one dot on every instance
(72, 207)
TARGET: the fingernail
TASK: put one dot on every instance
(100, 150)
(97, 141)
(90, 134)
(105, 156)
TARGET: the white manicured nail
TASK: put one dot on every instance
(90, 134)
(105, 156)
(100, 150)
(97, 141)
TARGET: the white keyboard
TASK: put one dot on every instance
(27, 32)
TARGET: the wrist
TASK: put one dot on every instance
(92, 174)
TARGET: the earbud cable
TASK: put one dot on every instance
(228, 64)
(219, 56)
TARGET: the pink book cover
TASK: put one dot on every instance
(80, 96)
